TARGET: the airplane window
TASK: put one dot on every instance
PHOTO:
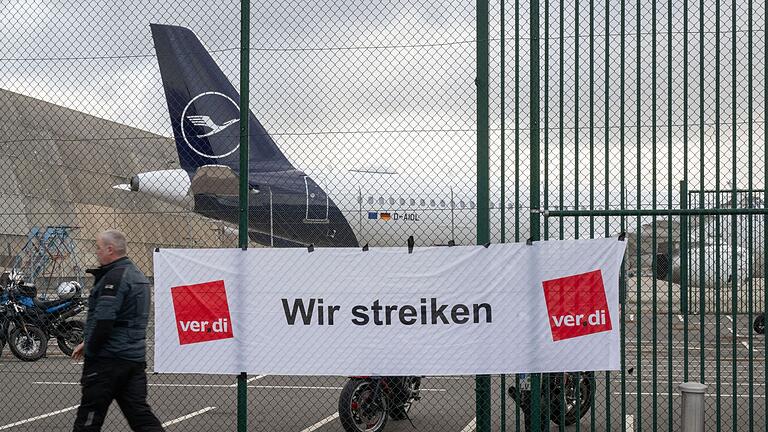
(471, 204)
(442, 203)
(371, 200)
(432, 203)
(402, 201)
(423, 202)
(413, 202)
(381, 201)
(391, 201)
(453, 204)
(461, 204)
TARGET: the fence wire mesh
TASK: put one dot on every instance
(653, 106)
(364, 131)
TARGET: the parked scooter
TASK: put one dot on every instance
(366, 403)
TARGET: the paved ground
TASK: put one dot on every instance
(42, 396)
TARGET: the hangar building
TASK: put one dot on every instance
(59, 167)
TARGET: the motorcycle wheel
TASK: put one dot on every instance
(412, 387)
(759, 324)
(359, 411)
(29, 345)
(70, 335)
(584, 382)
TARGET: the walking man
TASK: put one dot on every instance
(114, 344)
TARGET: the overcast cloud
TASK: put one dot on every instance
(356, 84)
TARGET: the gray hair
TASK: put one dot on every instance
(116, 239)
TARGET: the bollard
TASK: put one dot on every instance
(693, 406)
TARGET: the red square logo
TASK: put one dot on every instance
(202, 312)
(576, 305)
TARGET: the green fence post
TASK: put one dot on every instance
(503, 206)
(734, 219)
(684, 294)
(482, 382)
(245, 26)
(750, 239)
(535, 179)
(702, 291)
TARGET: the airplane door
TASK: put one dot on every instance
(317, 203)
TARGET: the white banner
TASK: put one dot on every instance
(508, 308)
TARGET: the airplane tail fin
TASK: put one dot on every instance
(203, 106)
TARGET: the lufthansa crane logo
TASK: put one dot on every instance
(203, 126)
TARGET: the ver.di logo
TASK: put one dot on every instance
(202, 312)
(576, 305)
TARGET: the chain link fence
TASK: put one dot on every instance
(638, 97)
(364, 131)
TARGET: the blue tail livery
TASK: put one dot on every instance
(286, 206)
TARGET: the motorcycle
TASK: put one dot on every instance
(26, 341)
(50, 316)
(366, 403)
(577, 402)
(53, 317)
(759, 324)
(570, 395)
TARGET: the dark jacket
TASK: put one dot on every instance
(118, 312)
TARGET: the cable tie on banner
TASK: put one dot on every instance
(487, 245)
(451, 243)
(157, 249)
(311, 247)
(365, 248)
(411, 242)
(529, 242)
(622, 236)
(245, 248)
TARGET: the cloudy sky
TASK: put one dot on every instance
(391, 83)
